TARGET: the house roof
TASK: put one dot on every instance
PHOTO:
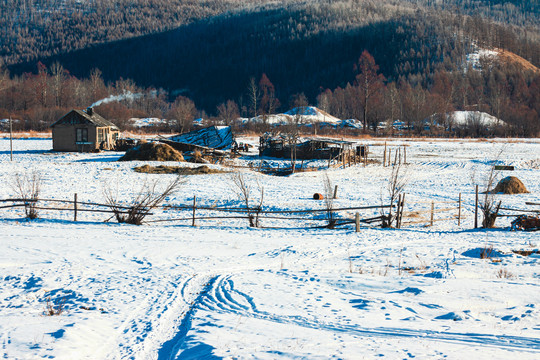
(81, 116)
(215, 137)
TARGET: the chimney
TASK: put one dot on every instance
(90, 111)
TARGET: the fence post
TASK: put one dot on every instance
(335, 192)
(397, 211)
(389, 157)
(194, 207)
(404, 154)
(75, 207)
(10, 139)
(384, 155)
(432, 212)
(476, 209)
(365, 155)
(459, 211)
(402, 207)
(357, 221)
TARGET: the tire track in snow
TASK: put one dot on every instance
(172, 347)
(221, 297)
(156, 318)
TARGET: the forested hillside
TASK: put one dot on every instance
(309, 47)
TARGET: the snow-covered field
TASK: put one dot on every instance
(224, 290)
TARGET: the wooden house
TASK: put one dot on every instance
(83, 130)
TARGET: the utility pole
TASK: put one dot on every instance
(10, 139)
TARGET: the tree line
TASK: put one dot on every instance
(501, 89)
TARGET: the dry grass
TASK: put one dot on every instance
(163, 169)
(27, 134)
(525, 252)
(152, 152)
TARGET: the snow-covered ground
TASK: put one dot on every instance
(224, 290)
(308, 116)
(473, 59)
(464, 118)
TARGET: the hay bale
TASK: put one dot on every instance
(510, 185)
(152, 152)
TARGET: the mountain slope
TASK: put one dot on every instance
(303, 47)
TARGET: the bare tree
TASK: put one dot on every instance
(59, 77)
(254, 96)
(244, 191)
(228, 112)
(183, 113)
(397, 182)
(329, 201)
(488, 206)
(27, 187)
(299, 103)
(489, 209)
(146, 199)
(368, 81)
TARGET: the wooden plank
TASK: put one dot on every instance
(426, 221)
(476, 208)
(504, 167)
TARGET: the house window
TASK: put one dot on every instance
(82, 135)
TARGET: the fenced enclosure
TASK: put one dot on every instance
(194, 214)
(427, 212)
(407, 211)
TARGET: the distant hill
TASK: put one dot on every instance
(302, 46)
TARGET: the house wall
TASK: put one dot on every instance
(64, 138)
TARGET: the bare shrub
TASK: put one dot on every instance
(397, 182)
(27, 187)
(490, 210)
(486, 252)
(329, 201)
(147, 198)
(488, 206)
(244, 192)
(56, 307)
(504, 274)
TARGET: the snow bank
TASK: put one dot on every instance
(222, 289)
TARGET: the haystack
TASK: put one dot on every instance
(510, 185)
(152, 152)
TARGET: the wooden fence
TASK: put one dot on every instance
(428, 212)
(194, 213)
(410, 212)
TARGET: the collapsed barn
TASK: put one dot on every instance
(212, 141)
(279, 146)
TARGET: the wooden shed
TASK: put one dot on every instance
(317, 148)
(83, 130)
